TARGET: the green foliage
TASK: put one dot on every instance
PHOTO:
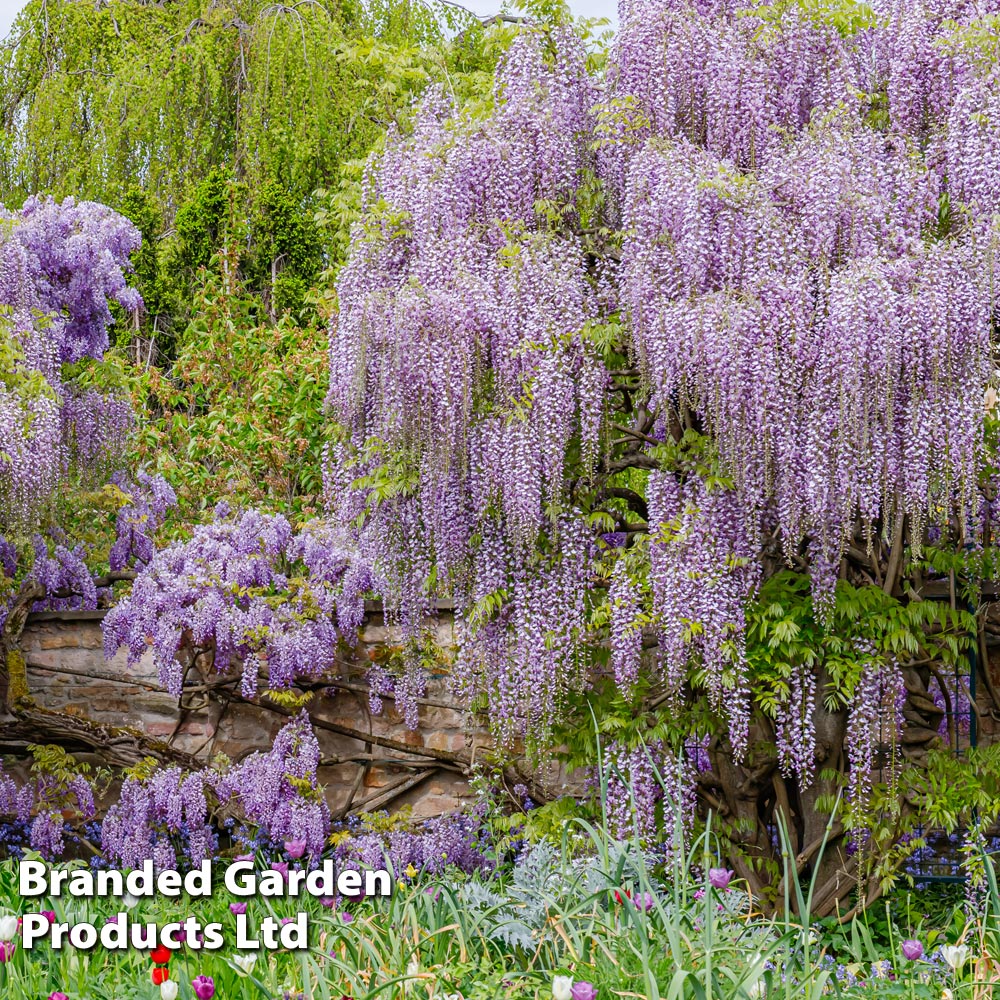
(784, 634)
(846, 17)
(57, 769)
(207, 122)
(238, 415)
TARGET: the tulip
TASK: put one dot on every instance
(719, 878)
(644, 901)
(245, 962)
(282, 867)
(583, 991)
(159, 975)
(955, 955)
(7, 950)
(8, 928)
(562, 988)
(912, 950)
(204, 987)
(56, 995)
(346, 917)
(160, 955)
(129, 900)
(168, 990)
(238, 908)
(295, 848)
(50, 916)
(328, 901)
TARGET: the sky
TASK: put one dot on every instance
(583, 8)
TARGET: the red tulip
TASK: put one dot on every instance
(160, 975)
(160, 955)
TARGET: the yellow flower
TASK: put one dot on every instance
(410, 872)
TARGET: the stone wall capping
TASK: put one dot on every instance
(371, 608)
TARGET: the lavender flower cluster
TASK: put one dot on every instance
(434, 846)
(60, 266)
(279, 793)
(163, 818)
(457, 352)
(60, 567)
(247, 587)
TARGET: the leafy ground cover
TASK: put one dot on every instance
(576, 917)
(552, 924)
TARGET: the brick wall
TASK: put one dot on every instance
(67, 671)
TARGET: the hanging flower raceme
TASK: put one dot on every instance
(834, 356)
(60, 265)
(461, 381)
(247, 587)
(278, 792)
(163, 818)
(702, 572)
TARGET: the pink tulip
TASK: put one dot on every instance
(50, 915)
(56, 995)
(204, 987)
(295, 848)
(719, 878)
(583, 991)
(912, 950)
(7, 950)
(238, 908)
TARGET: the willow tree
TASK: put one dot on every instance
(210, 123)
(672, 376)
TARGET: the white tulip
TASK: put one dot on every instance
(955, 955)
(129, 900)
(562, 987)
(946, 994)
(168, 990)
(245, 962)
(8, 928)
